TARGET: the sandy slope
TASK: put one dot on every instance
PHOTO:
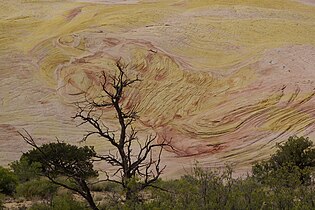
(108, 1)
(224, 81)
(308, 2)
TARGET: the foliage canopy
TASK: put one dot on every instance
(8, 181)
(62, 159)
(291, 165)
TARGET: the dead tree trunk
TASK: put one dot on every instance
(135, 171)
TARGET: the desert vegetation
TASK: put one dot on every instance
(284, 181)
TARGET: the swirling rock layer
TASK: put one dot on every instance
(223, 81)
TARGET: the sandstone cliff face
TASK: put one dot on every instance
(223, 81)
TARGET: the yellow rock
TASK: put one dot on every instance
(224, 80)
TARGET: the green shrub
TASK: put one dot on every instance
(1, 201)
(62, 160)
(203, 189)
(37, 188)
(8, 181)
(40, 206)
(24, 170)
(291, 165)
(60, 202)
(67, 202)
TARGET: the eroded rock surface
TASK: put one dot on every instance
(223, 81)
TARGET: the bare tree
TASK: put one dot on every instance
(135, 168)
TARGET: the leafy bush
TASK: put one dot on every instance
(60, 202)
(24, 170)
(8, 181)
(62, 160)
(37, 188)
(40, 206)
(67, 202)
(290, 166)
(204, 189)
(1, 200)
